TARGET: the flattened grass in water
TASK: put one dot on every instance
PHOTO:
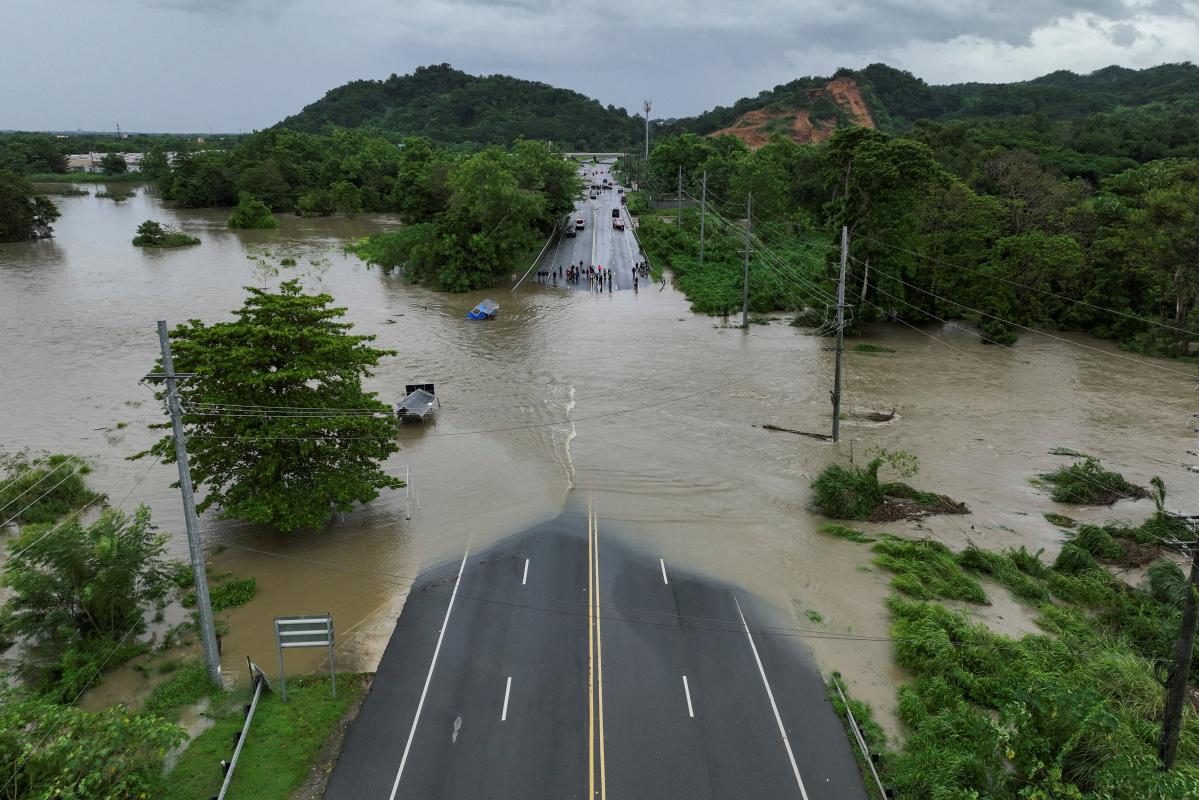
(1086, 482)
(925, 569)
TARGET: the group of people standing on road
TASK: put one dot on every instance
(598, 277)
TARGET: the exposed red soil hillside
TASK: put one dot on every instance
(755, 127)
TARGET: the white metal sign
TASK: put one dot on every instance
(305, 631)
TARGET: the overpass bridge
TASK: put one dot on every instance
(581, 156)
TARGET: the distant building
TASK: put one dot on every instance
(90, 162)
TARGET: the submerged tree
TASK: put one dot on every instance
(23, 214)
(280, 430)
(251, 212)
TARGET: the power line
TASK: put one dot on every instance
(1031, 288)
(1031, 330)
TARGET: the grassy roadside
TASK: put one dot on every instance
(281, 747)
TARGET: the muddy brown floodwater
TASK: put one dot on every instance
(628, 398)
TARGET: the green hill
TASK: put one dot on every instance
(450, 106)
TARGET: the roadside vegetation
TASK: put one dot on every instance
(1073, 711)
(265, 770)
(155, 234)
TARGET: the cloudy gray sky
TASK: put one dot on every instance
(230, 65)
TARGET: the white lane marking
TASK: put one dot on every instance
(773, 705)
(663, 563)
(687, 691)
(524, 578)
(507, 690)
(428, 678)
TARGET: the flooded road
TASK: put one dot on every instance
(628, 398)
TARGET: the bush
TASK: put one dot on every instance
(45, 491)
(58, 751)
(82, 591)
(155, 234)
(1003, 567)
(251, 212)
(851, 492)
(1167, 583)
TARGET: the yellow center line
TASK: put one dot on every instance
(599, 663)
(590, 665)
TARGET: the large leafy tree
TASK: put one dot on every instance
(23, 214)
(256, 460)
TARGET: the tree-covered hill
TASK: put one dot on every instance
(451, 106)
(897, 99)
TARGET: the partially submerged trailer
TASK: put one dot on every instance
(488, 309)
(420, 401)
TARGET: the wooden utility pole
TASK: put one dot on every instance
(212, 658)
(703, 206)
(1180, 668)
(749, 226)
(840, 335)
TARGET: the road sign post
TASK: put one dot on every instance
(304, 631)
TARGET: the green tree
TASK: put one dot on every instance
(79, 585)
(286, 349)
(114, 164)
(23, 214)
(345, 198)
(155, 163)
(251, 212)
(51, 752)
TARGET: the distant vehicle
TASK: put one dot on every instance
(615, 213)
(619, 190)
(618, 223)
(579, 223)
(624, 201)
(570, 231)
(488, 309)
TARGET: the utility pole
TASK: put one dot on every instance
(212, 658)
(840, 335)
(679, 201)
(1176, 682)
(749, 226)
(703, 205)
(647, 105)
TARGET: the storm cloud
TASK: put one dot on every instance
(230, 65)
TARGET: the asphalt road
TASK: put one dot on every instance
(598, 243)
(561, 664)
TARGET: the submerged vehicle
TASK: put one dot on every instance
(420, 401)
(488, 309)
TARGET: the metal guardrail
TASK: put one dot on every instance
(260, 680)
(857, 734)
(536, 261)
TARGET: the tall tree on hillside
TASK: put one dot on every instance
(257, 462)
